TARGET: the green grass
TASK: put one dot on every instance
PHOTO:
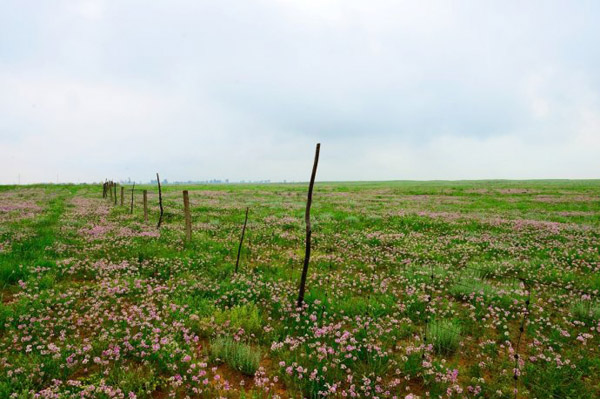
(586, 311)
(176, 310)
(445, 336)
(239, 356)
(15, 264)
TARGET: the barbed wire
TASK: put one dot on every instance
(529, 281)
(545, 390)
(518, 346)
(427, 311)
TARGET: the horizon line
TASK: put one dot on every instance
(282, 182)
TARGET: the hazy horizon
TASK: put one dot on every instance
(198, 90)
(175, 182)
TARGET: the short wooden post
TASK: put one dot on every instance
(122, 195)
(146, 206)
(115, 193)
(132, 188)
(308, 229)
(237, 262)
(188, 217)
(110, 189)
(159, 202)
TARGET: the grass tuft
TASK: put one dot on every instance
(445, 336)
(586, 311)
(237, 355)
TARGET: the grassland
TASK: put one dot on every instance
(415, 290)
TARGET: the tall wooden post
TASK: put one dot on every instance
(122, 195)
(110, 190)
(188, 217)
(132, 188)
(115, 193)
(308, 229)
(159, 202)
(237, 262)
(146, 206)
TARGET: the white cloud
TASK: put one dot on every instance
(89, 9)
(239, 90)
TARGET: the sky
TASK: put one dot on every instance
(243, 90)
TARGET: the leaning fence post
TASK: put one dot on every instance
(308, 228)
(159, 202)
(146, 206)
(188, 217)
(237, 262)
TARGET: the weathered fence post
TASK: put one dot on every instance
(122, 195)
(115, 184)
(308, 229)
(159, 202)
(237, 262)
(146, 206)
(132, 188)
(188, 217)
(110, 190)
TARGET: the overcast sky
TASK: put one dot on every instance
(244, 89)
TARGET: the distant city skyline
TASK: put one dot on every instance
(198, 90)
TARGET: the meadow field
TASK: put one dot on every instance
(480, 289)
